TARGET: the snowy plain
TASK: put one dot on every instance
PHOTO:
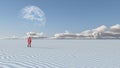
(60, 54)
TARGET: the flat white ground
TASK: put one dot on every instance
(60, 54)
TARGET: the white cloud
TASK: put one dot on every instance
(110, 35)
(86, 32)
(96, 33)
(36, 35)
(65, 35)
(100, 29)
(115, 28)
(34, 13)
(68, 35)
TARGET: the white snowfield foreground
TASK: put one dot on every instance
(60, 54)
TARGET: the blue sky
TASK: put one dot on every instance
(72, 15)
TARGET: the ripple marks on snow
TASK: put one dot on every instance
(25, 65)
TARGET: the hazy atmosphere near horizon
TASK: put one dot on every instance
(57, 16)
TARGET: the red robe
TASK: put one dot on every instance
(29, 40)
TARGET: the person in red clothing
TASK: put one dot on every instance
(29, 41)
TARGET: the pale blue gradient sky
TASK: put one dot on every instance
(71, 15)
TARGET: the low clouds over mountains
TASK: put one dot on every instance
(101, 32)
